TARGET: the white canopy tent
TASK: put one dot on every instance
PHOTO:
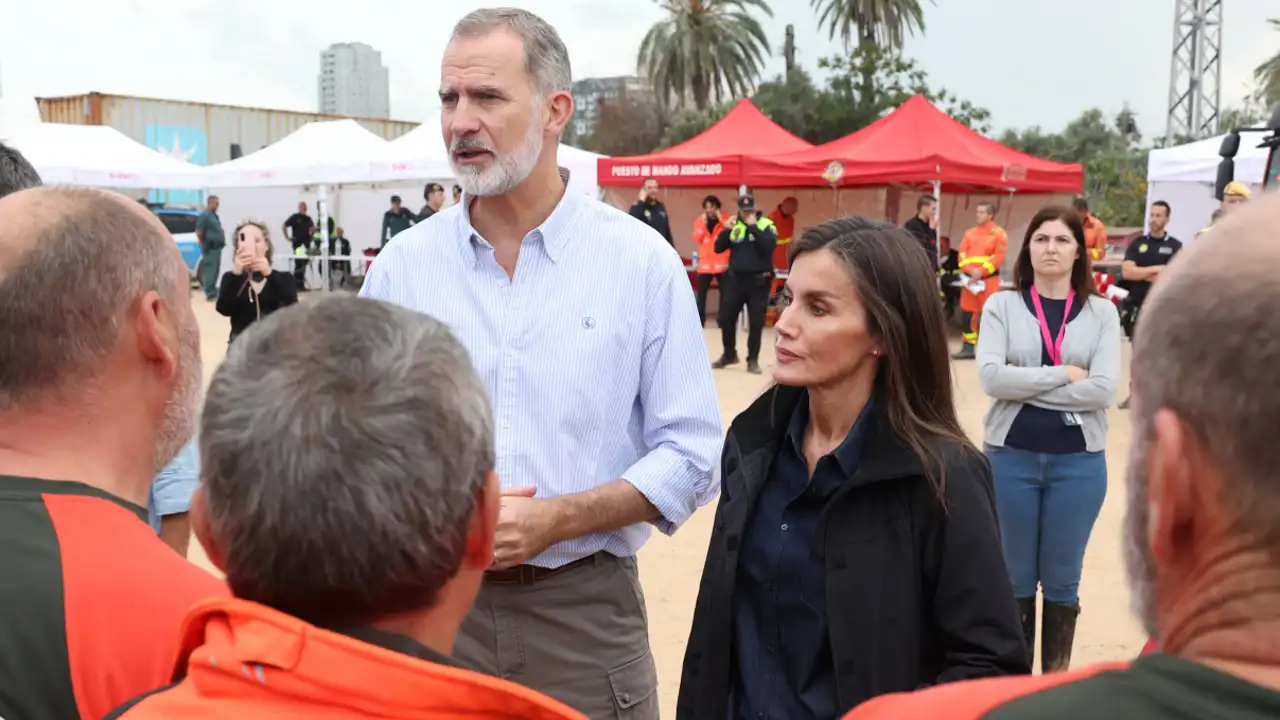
(1184, 176)
(334, 152)
(97, 156)
(423, 148)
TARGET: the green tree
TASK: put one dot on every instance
(705, 51)
(869, 25)
(1115, 166)
(1267, 75)
(1251, 111)
(625, 126)
(820, 114)
(893, 80)
(689, 123)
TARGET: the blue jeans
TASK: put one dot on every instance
(1047, 504)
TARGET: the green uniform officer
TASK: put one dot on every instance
(212, 240)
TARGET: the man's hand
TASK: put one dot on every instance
(526, 527)
(974, 272)
(644, 195)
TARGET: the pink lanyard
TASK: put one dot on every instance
(1053, 346)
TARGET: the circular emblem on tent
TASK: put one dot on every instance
(834, 171)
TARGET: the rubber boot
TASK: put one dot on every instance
(1057, 635)
(1027, 610)
(966, 352)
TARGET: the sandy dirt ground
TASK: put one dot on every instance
(671, 566)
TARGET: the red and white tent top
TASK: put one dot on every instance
(917, 144)
(714, 158)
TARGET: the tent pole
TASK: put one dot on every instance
(937, 220)
(324, 237)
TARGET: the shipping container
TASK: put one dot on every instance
(202, 133)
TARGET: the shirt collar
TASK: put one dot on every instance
(395, 642)
(552, 232)
(847, 452)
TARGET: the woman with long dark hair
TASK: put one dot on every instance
(855, 549)
(1049, 356)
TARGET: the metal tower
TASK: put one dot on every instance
(1195, 72)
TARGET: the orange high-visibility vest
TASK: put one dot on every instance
(786, 229)
(984, 246)
(710, 262)
(1095, 238)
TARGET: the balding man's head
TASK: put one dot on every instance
(95, 299)
(1203, 470)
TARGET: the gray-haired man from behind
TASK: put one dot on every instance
(15, 172)
(349, 495)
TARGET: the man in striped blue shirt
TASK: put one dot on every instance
(582, 322)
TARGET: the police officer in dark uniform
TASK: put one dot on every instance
(650, 210)
(1144, 260)
(750, 239)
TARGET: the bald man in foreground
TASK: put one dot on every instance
(100, 382)
(1202, 530)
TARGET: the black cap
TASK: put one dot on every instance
(746, 202)
(432, 187)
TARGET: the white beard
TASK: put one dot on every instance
(179, 422)
(1139, 565)
(507, 171)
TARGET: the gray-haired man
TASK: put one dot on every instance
(608, 423)
(349, 495)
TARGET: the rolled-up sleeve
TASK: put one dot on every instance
(682, 429)
(172, 489)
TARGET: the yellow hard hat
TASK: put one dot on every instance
(1236, 187)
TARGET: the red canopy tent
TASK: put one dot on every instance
(919, 145)
(714, 158)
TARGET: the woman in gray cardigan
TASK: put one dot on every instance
(1049, 357)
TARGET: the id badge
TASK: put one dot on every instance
(1071, 419)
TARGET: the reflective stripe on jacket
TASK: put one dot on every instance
(710, 262)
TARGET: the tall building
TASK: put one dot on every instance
(588, 92)
(354, 82)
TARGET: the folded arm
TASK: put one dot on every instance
(1097, 391)
(998, 379)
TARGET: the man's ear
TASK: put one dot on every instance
(202, 526)
(484, 522)
(156, 325)
(560, 109)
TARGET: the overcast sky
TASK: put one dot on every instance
(1031, 62)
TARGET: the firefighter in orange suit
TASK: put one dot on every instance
(784, 217)
(710, 264)
(981, 256)
(1095, 233)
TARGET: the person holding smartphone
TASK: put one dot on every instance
(250, 290)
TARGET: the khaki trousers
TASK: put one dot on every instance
(580, 636)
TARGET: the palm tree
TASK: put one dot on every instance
(704, 50)
(882, 22)
(1267, 75)
(869, 23)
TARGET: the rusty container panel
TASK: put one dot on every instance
(201, 133)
